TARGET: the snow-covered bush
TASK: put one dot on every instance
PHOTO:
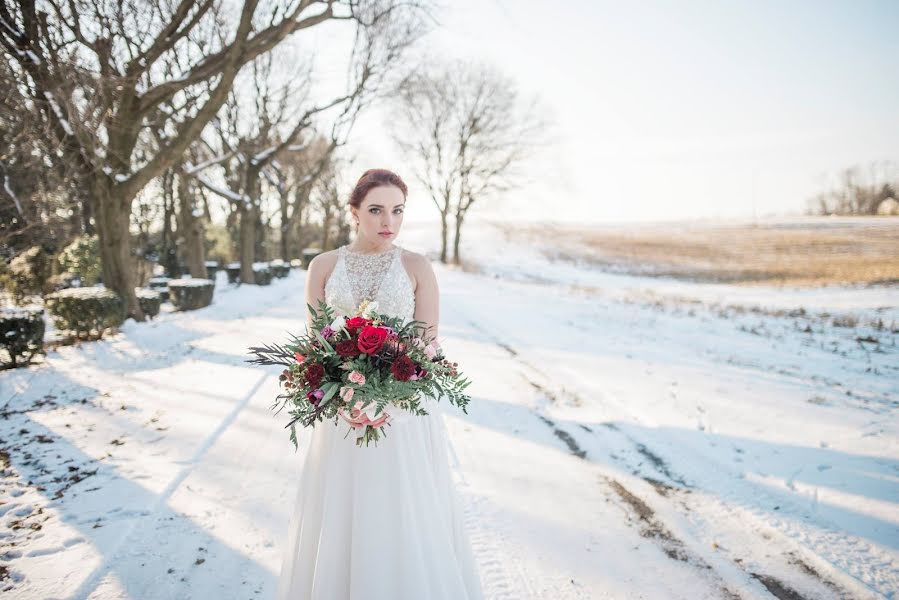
(149, 300)
(262, 273)
(82, 258)
(212, 267)
(191, 294)
(161, 285)
(63, 280)
(21, 335)
(309, 254)
(86, 312)
(28, 273)
(233, 270)
(279, 268)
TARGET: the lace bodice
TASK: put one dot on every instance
(380, 277)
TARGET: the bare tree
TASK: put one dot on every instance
(39, 192)
(468, 133)
(277, 132)
(293, 177)
(92, 70)
(853, 192)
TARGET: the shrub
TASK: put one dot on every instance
(28, 273)
(149, 300)
(309, 254)
(280, 268)
(62, 281)
(21, 334)
(218, 243)
(233, 270)
(82, 258)
(262, 273)
(191, 294)
(212, 267)
(86, 312)
(161, 285)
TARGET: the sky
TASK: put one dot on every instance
(674, 110)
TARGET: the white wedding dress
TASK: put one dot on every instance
(377, 522)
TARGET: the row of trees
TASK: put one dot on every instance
(119, 95)
(857, 191)
(149, 116)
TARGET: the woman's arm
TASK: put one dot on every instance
(315, 286)
(427, 297)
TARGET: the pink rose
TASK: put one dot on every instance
(430, 351)
(347, 394)
(357, 378)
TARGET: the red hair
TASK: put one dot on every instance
(375, 178)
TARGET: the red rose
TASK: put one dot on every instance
(347, 348)
(371, 339)
(355, 324)
(314, 374)
(403, 368)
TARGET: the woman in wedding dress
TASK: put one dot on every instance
(378, 522)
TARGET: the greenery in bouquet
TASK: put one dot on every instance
(360, 368)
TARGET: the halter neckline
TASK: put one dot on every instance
(347, 250)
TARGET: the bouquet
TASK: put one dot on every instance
(363, 369)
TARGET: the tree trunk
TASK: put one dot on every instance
(326, 229)
(456, 237)
(460, 218)
(246, 246)
(444, 233)
(249, 215)
(87, 214)
(260, 253)
(285, 228)
(191, 230)
(168, 255)
(113, 229)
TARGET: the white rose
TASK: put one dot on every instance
(339, 323)
(372, 307)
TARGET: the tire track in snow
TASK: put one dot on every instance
(672, 546)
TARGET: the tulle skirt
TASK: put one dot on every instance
(378, 523)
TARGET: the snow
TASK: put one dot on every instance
(191, 282)
(121, 177)
(258, 158)
(59, 114)
(620, 443)
(17, 35)
(8, 189)
(192, 169)
(224, 192)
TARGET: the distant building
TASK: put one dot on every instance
(888, 206)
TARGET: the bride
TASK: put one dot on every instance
(381, 522)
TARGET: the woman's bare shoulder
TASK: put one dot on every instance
(322, 264)
(415, 261)
(417, 265)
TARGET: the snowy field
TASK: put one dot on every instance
(629, 437)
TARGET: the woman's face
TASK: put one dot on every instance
(381, 211)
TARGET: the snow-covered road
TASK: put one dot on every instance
(617, 446)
